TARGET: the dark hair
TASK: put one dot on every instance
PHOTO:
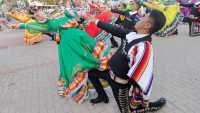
(158, 20)
(124, 5)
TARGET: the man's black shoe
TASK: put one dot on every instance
(99, 100)
(152, 107)
(175, 32)
(157, 105)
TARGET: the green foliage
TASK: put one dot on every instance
(50, 2)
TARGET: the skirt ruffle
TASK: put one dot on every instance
(80, 88)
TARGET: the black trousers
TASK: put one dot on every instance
(120, 91)
(190, 21)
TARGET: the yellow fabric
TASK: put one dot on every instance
(22, 17)
(169, 11)
(29, 37)
(156, 0)
(122, 17)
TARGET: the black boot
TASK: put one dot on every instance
(157, 105)
(175, 32)
(99, 99)
(93, 76)
(152, 106)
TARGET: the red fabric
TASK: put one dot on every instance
(93, 6)
(142, 64)
(92, 29)
(199, 8)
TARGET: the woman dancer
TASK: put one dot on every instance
(86, 52)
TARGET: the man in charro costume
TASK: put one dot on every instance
(131, 65)
(134, 60)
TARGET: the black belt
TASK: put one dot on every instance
(118, 79)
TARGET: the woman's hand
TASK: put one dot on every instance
(13, 26)
(91, 18)
(71, 24)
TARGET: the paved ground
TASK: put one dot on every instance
(28, 77)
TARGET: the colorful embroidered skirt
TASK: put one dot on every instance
(31, 38)
(170, 29)
(78, 53)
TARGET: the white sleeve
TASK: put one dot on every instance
(135, 55)
(132, 13)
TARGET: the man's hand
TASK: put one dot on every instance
(108, 9)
